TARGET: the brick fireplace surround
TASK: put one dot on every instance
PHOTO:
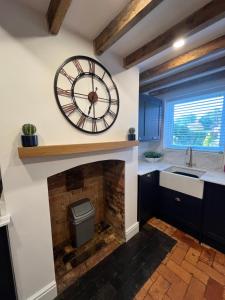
(103, 183)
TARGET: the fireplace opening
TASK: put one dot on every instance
(102, 184)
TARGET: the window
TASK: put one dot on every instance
(197, 122)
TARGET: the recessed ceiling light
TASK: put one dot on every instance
(178, 43)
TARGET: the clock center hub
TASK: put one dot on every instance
(93, 97)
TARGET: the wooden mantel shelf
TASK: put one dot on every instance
(57, 150)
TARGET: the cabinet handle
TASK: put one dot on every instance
(177, 199)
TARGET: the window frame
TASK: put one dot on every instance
(169, 119)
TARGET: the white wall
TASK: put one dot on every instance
(29, 59)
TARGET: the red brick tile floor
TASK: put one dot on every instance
(190, 271)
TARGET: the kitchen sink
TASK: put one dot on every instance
(185, 171)
(186, 174)
(184, 180)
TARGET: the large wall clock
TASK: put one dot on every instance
(86, 94)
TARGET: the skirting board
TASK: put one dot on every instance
(49, 292)
(132, 230)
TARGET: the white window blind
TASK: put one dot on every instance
(198, 122)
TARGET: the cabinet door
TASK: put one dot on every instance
(150, 110)
(7, 289)
(147, 196)
(181, 210)
(214, 215)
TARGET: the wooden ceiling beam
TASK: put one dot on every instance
(133, 12)
(199, 20)
(213, 47)
(187, 75)
(190, 84)
(56, 13)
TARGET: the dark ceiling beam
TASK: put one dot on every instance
(204, 51)
(199, 20)
(132, 13)
(187, 75)
(189, 84)
(56, 13)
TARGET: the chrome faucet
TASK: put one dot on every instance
(189, 163)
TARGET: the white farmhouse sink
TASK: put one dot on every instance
(185, 171)
(183, 180)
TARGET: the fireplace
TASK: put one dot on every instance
(102, 183)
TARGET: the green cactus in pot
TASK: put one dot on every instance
(29, 139)
(29, 129)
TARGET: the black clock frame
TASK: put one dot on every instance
(83, 74)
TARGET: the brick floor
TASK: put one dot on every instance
(190, 271)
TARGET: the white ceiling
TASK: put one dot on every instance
(89, 17)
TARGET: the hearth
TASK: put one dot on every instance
(103, 184)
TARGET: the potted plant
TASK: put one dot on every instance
(29, 139)
(131, 134)
(152, 156)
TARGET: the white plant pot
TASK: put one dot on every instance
(152, 160)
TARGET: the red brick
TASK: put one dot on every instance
(192, 256)
(207, 256)
(148, 297)
(178, 255)
(219, 258)
(179, 271)
(177, 290)
(191, 242)
(168, 274)
(211, 272)
(214, 290)
(195, 290)
(201, 276)
(159, 288)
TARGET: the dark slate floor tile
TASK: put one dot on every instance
(120, 275)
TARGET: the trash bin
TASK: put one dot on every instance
(82, 215)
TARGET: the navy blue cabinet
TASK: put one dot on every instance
(180, 210)
(148, 185)
(150, 112)
(7, 289)
(214, 215)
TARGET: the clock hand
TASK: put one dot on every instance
(81, 94)
(80, 97)
(92, 100)
(92, 80)
(94, 110)
(89, 110)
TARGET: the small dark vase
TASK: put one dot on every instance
(29, 140)
(131, 136)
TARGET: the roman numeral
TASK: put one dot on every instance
(81, 121)
(64, 73)
(91, 66)
(103, 75)
(69, 108)
(94, 125)
(112, 114)
(114, 102)
(78, 66)
(64, 93)
(105, 122)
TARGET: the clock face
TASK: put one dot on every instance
(86, 94)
